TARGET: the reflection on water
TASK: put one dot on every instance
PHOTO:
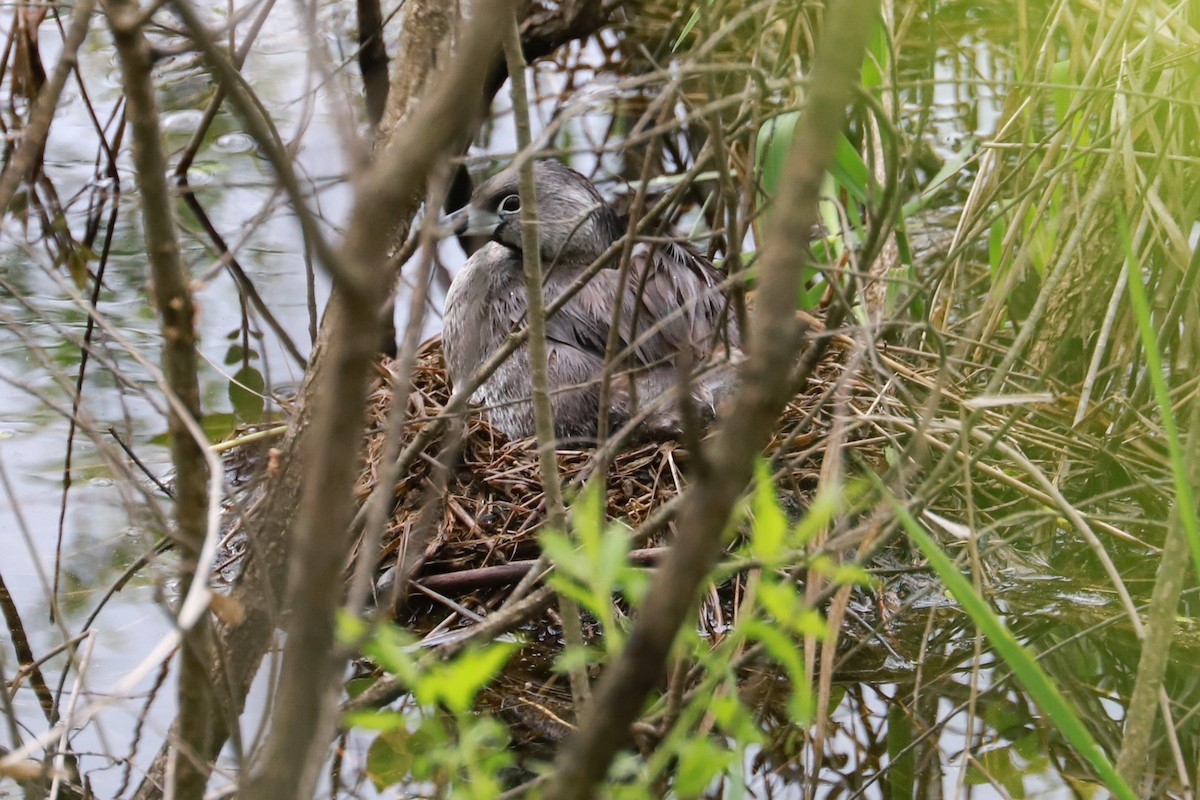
(104, 528)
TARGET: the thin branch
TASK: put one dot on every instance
(262, 130)
(304, 715)
(38, 128)
(24, 653)
(467, 580)
(372, 58)
(186, 158)
(378, 506)
(172, 295)
(776, 338)
(84, 353)
(543, 412)
(1160, 630)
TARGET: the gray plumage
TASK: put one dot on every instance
(672, 312)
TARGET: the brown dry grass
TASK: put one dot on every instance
(494, 505)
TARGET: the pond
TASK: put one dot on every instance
(916, 688)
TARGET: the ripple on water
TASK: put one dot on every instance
(184, 121)
(1081, 598)
(234, 143)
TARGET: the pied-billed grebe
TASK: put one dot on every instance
(673, 310)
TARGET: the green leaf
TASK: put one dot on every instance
(634, 585)
(699, 762)
(594, 566)
(77, 259)
(687, 28)
(431, 747)
(456, 682)
(902, 760)
(484, 756)
(1180, 471)
(771, 154)
(376, 720)
(388, 648)
(348, 627)
(819, 514)
(217, 428)
(576, 657)
(1003, 718)
(782, 600)
(733, 716)
(572, 589)
(876, 59)
(237, 353)
(941, 182)
(783, 650)
(901, 299)
(1029, 747)
(559, 548)
(851, 573)
(769, 531)
(390, 758)
(849, 170)
(996, 766)
(246, 390)
(774, 142)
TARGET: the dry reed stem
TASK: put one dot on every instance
(495, 504)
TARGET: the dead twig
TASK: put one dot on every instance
(774, 339)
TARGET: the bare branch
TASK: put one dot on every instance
(1160, 630)
(543, 413)
(34, 137)
(259, 125)
(172, 295)
(304, 712)
(776, 337)
(372, 58)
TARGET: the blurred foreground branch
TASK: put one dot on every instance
(259, 590)
(304, 707)
(172, 296)
(776, 339)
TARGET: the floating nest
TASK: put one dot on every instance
(478, 521)
(467, 514)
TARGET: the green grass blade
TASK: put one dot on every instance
(1162, 395)
(1018, 657)
(687, 28)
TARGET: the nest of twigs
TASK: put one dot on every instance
(487, 509)
(474, 504)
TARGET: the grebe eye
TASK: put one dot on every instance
(510, 204)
